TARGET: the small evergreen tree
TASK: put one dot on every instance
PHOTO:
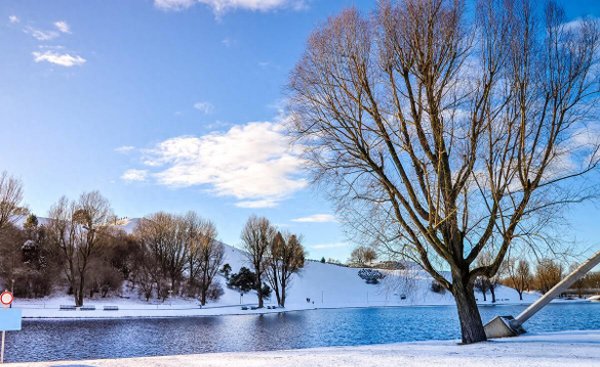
(226, 271)
(243, 281)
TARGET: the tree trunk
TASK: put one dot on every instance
(258, 287)
(203, 296)
(79, 301)
(276, 288)
(471, 326)
(520, 295)
(493, 292)
(283, 285)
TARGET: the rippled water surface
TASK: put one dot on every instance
(87, 339)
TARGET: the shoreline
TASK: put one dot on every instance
(532, 350)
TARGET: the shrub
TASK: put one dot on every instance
(215, 291)
(436, 287)
(370, 276)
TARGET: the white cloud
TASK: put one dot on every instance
(173, 4)
(13, 19)
(62, 26)
(204, 107)
(324, 246)
(62, 59)
(228, 42)
(221, 6)
(125, 149)
(253, 163)
(251, 204)
(134, 175)
(316, 218)
(41, 35)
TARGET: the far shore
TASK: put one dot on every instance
(140, 311)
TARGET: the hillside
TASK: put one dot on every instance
(318, 285)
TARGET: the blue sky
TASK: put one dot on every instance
(121, 96)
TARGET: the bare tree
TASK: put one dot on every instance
(76, 229)
(163, 236)
(285, 257)
(362, 255)
(439, 134)
(205, 253)
(484, 282)
(519, 275)
(401, 283)
(257, 235)
(548, 273)
(11, 195)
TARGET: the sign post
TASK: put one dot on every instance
(10, 318)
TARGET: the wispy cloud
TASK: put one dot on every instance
(252, 204)
(204, 107)
(324, 246)
(41, 35)
(62, 59)
(222, 6)
(260, 172)
(62, 26)
(13, 19)
(132, 175)
(125, 149)
(228, 42)
(316, 218)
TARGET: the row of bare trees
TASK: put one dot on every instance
(80, 246)
(519, 274)
(274, 255)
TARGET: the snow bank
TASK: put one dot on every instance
(543, 350)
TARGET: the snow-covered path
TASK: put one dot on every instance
(575, 348)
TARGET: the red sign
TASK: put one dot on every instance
(6, 298)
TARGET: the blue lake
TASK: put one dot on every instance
(91, 339)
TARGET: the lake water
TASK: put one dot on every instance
(92, 339)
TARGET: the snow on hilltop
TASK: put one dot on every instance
(318, 285)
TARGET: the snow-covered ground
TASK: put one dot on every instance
(319, 285)
(574, 348)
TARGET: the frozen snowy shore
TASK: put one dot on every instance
(575, 348)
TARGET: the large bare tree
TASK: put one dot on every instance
(443, 133)
(257, 235)
(76, 229)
